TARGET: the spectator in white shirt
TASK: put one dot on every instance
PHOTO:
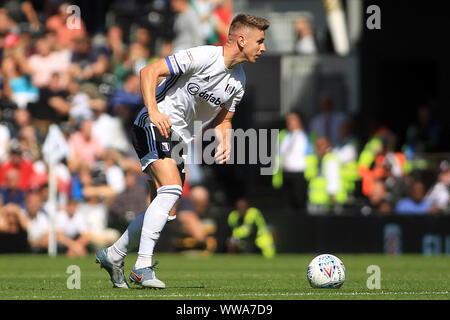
(293, 149)
(306, 43)
(38, 224)
(71, 230)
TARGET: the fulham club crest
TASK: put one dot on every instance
(165, 146)
(229, 89)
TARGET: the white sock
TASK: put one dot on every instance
(129, 241)
(154, 221)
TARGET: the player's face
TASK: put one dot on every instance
(254, 44)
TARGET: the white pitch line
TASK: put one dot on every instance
(412, 293)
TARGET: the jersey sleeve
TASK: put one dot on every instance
(187, 61)
(233, 102)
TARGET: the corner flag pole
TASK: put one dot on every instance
(54, 149)
(52, 190)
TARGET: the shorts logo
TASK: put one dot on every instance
(165, 146)
(193, 88)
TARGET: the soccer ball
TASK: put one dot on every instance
(326, 271)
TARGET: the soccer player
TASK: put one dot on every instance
(205, 84)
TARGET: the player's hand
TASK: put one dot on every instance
(162, 122)
(223, 153)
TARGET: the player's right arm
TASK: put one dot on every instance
(150, 75)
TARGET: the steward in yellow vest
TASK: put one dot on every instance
(323, 173)
(249, 229)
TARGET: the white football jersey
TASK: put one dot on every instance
(199, 86)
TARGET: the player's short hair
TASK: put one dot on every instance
(247, 20)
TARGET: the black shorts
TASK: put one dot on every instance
(150, 146)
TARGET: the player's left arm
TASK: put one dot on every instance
(222, 129)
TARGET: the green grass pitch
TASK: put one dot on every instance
(223, 277)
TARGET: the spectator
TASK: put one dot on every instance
(439, 193)
(79, 103)
(135, 59)
(222, 16)
(193, 230)
(306, 43)
(58, 23)
(204, 9)
(127, 100)
(328, 122)
(130, 202)
(143, 37)
(7, 23)
(422, 136)
(106, 128)
(114, 174)
(326, 190)
(29, 144)
(13, 229)
(46, 62)
(378, 201)
(38, 224)
(71, 231)
(5, 136)
(187, 26)
(294, 146)
(51, 107)
(97, 197)
(23, 166)
(249, 230)
(88, 64)
(115, 46)
(84, 146)
(416, 202)
(24, 14)
(22, 90)
(11, 192)
(347, 152)
(22, 119)
(383, 163)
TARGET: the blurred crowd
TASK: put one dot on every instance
(56, 68)
(326, 167)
